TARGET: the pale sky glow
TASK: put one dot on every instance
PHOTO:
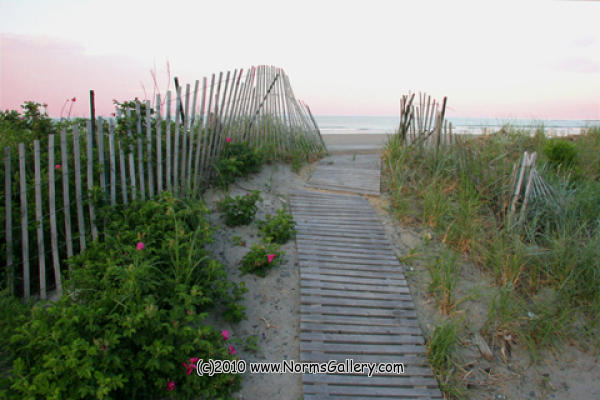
(507, 59)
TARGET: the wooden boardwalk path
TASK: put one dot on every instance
(355, 300)
(348, 173)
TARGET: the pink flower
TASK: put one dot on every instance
(225, 334)
(270, 257)
(188, 312)
(57, 166)
(140, 245)
(228, 140)
(231, 349)
(194, 360)
(248, 194)
(170, 386)
(189, 367)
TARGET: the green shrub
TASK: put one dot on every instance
(239, 210)
(278, 228)
(237, 159)
(560, 152)
(130, 322)
(260, 259)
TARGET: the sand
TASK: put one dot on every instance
(355, 142)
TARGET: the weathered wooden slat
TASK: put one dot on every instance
(123, 172)
(360, 329)
(52, 215)
(65, 190)
(350, 302)
(24, 221)
(383, 349)
(348, 338)
(395, 380)
(8, 221)
(357, 311)
(412, 362)
(159, 159)
(100, 141)
(131, 159)
(354, 294)
(149, 165)
(355, 272)
(112, 163)
(78, 190)
(168, 144)
(90, 180)
(352, 287)
(38, 218)
(376, 281)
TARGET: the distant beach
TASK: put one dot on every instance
(352, 125)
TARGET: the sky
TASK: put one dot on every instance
(497, 59)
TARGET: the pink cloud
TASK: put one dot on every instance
(51, 71)
(579, 65)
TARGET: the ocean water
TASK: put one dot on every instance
(329, 124)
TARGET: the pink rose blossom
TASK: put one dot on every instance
(231, 349)
(57, 166)
(140, 245)
(225, 334)
(228, 140)
(170, 386)
(271, 257)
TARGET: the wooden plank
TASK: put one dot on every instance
(168, 147)
(140, 150)
(38, 218)
(382, 349)
(391, 380)
(357, 311)
(112, 164)
(358, 272)
(307, 291)
(90, 181)
(10, 283)
(78, 190)
(375, 281)
(24, 222)
(350, 302)
(352, 287)
(149, 165)
(192, 133)
(414, 364)
(359, 329)
(52, 209)
(65, 189)
(349, 338)
(123, 172)
(199, 140)
(345, 260)
(159, 160)
(176, 187)
(372, 392)
(131, 159)
(100, 140)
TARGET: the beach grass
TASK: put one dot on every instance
(546, 269)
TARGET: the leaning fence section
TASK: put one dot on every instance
(424, 122)
(51, 187)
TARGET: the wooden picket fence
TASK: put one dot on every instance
(166, 146)
(424, 123)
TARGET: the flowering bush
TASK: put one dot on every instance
(261, 258)
(278, 228)
(239, 210)
(131, 322)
